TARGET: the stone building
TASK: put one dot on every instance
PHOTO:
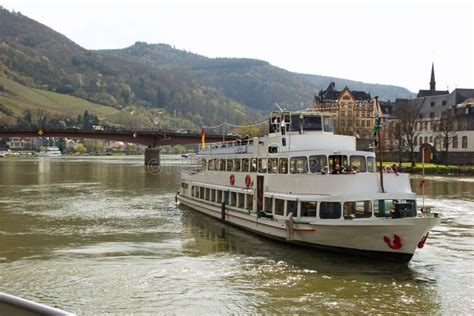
(431, 104)
(353, 110)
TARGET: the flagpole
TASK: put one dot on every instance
(423, 174)
(378, 128)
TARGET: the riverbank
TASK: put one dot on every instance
(435, 169)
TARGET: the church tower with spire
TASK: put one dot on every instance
(432, 81)
(432, 91)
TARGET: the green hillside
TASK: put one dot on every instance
(255, 83)
(163, 84)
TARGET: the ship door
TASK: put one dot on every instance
(260, 193)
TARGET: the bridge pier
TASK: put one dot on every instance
(152, 156)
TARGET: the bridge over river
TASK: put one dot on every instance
(152, 139)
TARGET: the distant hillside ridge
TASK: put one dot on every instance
(253, 82)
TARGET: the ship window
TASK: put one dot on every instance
(193, 191)
(245, 165)
(268, 205)
(201, 193)
(371, 164)
(299, 165)
(272, 149)
(312, 123)
(237, 165)
(330, 210)
(395, 208)
(208, 194)
(210, 166)
(230, 163)
(203, 163)
(249, 202)
(279, 207)
(317, 163)
(241, 200)
(308, 209)
(272, 165)
(253, 165)
(233, 199)
(283, 166)
(222, 165)
(213, 195)
(359, 162)
(295, 123)
(262, 165)
(219, 196)
(357, 209)
(340, 160)
(291, 207)
(327, 122)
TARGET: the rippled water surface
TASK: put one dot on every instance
(103, 235)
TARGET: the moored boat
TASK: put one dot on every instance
(51, 151)
(304, 184)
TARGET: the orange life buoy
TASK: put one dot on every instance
(232, 179)
(248, 181)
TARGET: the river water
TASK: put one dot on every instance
(103, 235)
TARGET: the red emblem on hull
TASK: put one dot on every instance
(395, 244)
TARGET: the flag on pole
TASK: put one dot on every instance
(377, 112)
(203, 138)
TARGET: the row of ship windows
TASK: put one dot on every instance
(326, 210)
(302, 164)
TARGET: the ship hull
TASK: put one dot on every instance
(356, 237)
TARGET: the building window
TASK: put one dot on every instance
(455, 142)
(420, 140)
(432, 114)
(443, 102)
(432, 103)
(415, 142)
(464, 142)
(431, 139)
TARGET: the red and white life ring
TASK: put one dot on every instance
(248, 181)
(232, 179)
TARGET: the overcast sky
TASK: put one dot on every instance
(371, 41)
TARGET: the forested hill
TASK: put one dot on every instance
(255, 83)
(186, 86)
(37, 56)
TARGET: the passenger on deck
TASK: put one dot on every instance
(325, 170)
(337, 170)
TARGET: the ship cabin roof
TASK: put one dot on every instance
(300, 122)
(297, 128)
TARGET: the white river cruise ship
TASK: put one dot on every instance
(303, 184)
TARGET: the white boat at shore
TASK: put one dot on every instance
(286, 186)
(51, 151)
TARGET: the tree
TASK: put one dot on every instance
(79, 148)
(446, 128)
(399, 140)
(406, 112)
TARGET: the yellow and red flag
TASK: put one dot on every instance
(203, 138)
